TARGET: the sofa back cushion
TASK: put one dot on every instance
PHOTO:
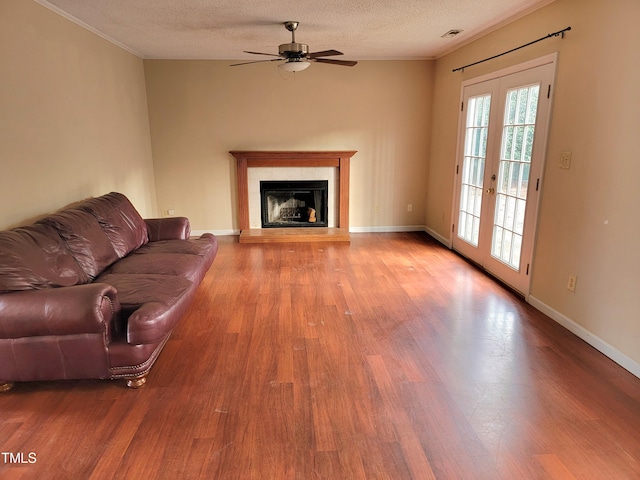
(35, 257)
(120, 221)
(85, 239)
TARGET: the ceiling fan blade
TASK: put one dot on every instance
(344, 63)
(260, 53)
(256, 61)
(325, 53)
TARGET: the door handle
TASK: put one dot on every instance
(490, 191)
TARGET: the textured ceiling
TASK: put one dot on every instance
(222, 29)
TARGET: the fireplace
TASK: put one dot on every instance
(287, 203)
(338, 193)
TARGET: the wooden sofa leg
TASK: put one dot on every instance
(137, 382)
(5, 386)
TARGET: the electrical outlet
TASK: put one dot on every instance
(565, 160)
(171, 211)
(409, 207)
(377, 208)
(571, 284)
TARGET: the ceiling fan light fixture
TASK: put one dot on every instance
(294, 65)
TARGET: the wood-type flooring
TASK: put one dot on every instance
(387, 358)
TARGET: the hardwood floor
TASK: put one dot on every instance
(389, 358)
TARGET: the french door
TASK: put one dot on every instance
(501, 145)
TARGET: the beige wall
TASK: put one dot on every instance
(199, 110)
(588, 224)
(73, 117)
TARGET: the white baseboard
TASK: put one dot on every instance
(443, 240)
(388, 229)
(385, 229)
(197, 233)
(593, 340)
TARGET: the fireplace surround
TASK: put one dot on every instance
(339, 160)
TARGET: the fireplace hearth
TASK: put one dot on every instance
(300, 203)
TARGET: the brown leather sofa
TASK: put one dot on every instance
(94, 291)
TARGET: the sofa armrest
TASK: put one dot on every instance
(172, 228)
(79, 309)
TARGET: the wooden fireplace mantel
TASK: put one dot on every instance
(248, 159)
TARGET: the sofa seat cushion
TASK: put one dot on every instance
(121, 222)
(35, 257)
(203, 246)
(152, 304)
(85, 239)
(176, 264)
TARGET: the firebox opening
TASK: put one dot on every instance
(291, 203)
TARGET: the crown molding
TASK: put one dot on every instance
(88, 27)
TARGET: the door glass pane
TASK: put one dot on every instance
(473, 163)
(513, 174)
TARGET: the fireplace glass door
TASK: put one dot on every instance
(294, 203)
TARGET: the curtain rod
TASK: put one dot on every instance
(555, 34)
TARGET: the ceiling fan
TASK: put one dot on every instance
(297, 56)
